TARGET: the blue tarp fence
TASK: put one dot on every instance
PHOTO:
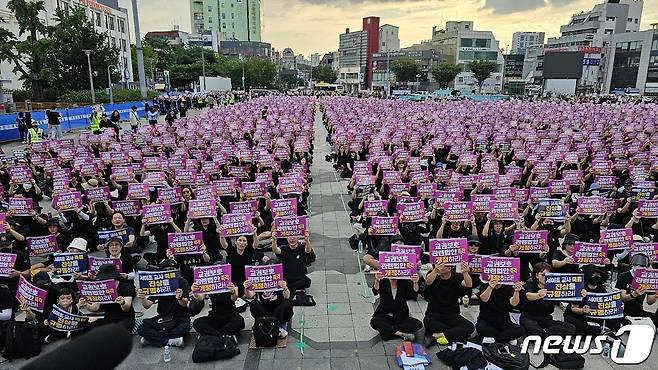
(72, 118)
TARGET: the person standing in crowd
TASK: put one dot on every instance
(496, 303)
(153, 116)
(22, 126)
(95, 120)
(115, 118)
(54, 124)
(134, 119)
(171, 117)
(391, 317)
(35, 134)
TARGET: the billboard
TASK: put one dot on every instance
(566, 65)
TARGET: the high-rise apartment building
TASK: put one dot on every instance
(237, 20)
(522, 40)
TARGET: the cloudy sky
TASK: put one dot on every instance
(310, 26)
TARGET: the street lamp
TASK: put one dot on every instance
(418, 82)
(109, 82)
(242, 60)
(91, 77)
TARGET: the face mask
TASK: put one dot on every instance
(596, 280)
(27, 186)
(595, 192)
(548, 227)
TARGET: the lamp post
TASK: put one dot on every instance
(139, 51)
(418, 82)
(203, 64)
(242, 60)
(91, 77)
(109, 82)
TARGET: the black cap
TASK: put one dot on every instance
(53, 222)
(570, 239)
(41, 279)
(108, 272)
(5, 240)
(640, 259)
(167, 263)
(472, 239)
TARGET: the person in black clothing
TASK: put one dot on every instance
(240, 253)
(210, 230)
(443, 322)
(634, 299)
(115, 118)
(456, 229)
(121, 312)
(21, 266)
(65, 301)
(115, 250)
(496, 303)
(173, 319)
(294, 254)
(159, 233)
(391, 318)
(536, 315)
(271, 304)
(575, 313)
(497, 239)
(22, 126)
(171, 117)
(223, 318)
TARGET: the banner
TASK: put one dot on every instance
(226, 187)
(503, 210)
(373, 208)
(254, 189)
(212, 279)
(156, 214)
(7, 261)
(33, 296)
(458, 211)
(42, 245)
(236, 224)
(647, 209)
(394, 265)
(591, 206)
(605, 305)
(102, 292)
(264, 278)
(564, 287)
(448, 251)
(551, 208)
(506, 270)
(617, 238)
(411, 212)
(129, 208)
(529, 241)
(645, 278)
(20, 206)
(285, 227)
(63, 321)
(95, 263)
(123, 173)
(481, 202)
(590, 254)
(158, 283)
(648, 249)
(286, 207)
(383, 226)
(65, 264)
(185, 243)
(105, 235)
(202, 208)
(67, 201)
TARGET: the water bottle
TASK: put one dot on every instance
(167, 353)
(606, 349)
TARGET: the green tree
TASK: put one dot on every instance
(324, 73)
(482, 69)
(445, 73)
(405, 70)
(259, 73)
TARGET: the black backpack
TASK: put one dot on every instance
(506, 356)
(563, 361)
(302, 299)
(20, 340)
(265, 332)
(211, 348)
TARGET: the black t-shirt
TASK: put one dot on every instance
(238, 262)
(113, 311)
(187, 262)
(497, 308)
(169, 306)
(221, 304)
(538, 308)
(443, 295)
(210, 239)
(160, 236)
(53, 117)
(449, 233)
(634, 307)
(22, 264)
(571, 268)
(6, 300)
(294, 260)
(496, 243)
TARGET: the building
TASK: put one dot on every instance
(332, 60)
(513, 66)
(315, 59)
(245, 49)
(588, 31)
(384, 79)
(353, 56)
(288, 60)
(371, 27)
(522, 40)
(533, 64)
(209, 40)
(631, 63)
(389, 38)
(106, 15)
(173, 37)
(238, 20)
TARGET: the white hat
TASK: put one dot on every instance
(79, 243)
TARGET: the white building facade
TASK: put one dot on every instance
(389, 38)
(353, 58)
(522, 40)
(631, 63)
(107, 17)
(238, 20)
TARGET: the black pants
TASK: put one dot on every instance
(454, 327)
(500, 331)
(128, 324)
(280, 310)
(296, 283)
(219, 324)
(387, 325)
(22, 130)
(582, 327)
(159, 338)
(545, 326)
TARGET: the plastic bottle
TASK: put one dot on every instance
(606, 349)
(167, 354)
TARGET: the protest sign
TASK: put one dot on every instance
(20, 175)
(558, 187)
(290, 185)
(130, 208)
(503, 210)
(606, 182)
(395, 265)
(286, 207)
(20, 206)
(42, 245)
(123, 173)
(63, 321)
(95, 263)
(403, 248)
(564, 287)
(33, 296)
(226, 187)
(156, 214)
(506, 270)
(647, 209)
(249, 207)
(102, 292)
(648, 249)
(202, 208)
(254, 189)
(481, 202)
(530, 241)
(212, 279)
(66, 264)
(448, 251)
(158, 283)
(185, 243)
(645, 278)
(591, 206)
(426, 190)
(236, 224)
(643, 190)
(551, 208)
(590, 254)
(67, 201)
(138, 190)
(605, 305)
(7, 261)
(96, 195)
(171, 195)
(285, 227)
(397, 188)
(617, 238)
(458, 211)
(264, 278)
(3, 219)
(105, 235)
(375, 207)
(411, 212)
(535, 194)
(383, 226)
(475, 263)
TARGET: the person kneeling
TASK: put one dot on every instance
(391, 318)
(496, 303)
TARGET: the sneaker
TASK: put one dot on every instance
(514, 342)
(283, 333)
(143, 341)
(488, 340)
(176, 342)
(48, 339)
(442, 341)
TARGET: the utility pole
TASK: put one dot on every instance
(109, 82)
(140, 52)
(91, 77)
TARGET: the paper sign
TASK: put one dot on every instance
(506, 270)
(590, 254)
(529, 241)
(159, 283)
(591, 206)
(102, 292)
(202, 208)
(264, 278)
(20, 206)
(156, 214)
(105, 235)
(448, 251)
(98, 194)
(185, 243)
(403, 248)
(648, 249)
(564, 287)
(249, 207)
(254, 189)
(33, 296)
(63, 321)
(95, 263)
(67, 201)
(503, 210)
(7, 261)
(65, 264)
(647, 209)
(235, 224)
(42, 245)
(605, 305)
(375, 207)
(475, 263)
(130, 208)
(171, 196)
(384, 226)
(645, 278)
(551, 208)
(458, 211)
(617, 238)
(286, 207)
(394, 265)
(138, 191)
(285, 227)
(212, 279)
(411, 212)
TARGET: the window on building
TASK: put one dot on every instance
(608, 31)
(98, 19)
(232, 15)
(123, 44)
(125, 62)
(223, 15)
(114, 42)
(466, 43)
(612, 19)
(210, 8)
(122, 26)
(629, 20)
(482, 43)
(209, 20)
(111, 21)
(636, 21)
(654, 45)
